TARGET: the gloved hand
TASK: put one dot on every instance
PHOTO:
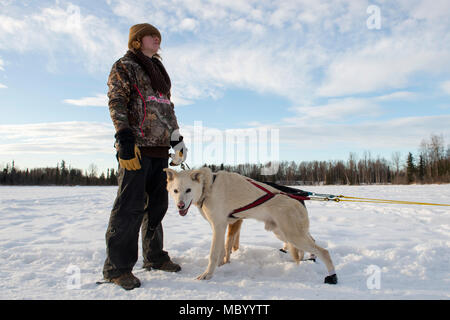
(180, 152)
(128, 153)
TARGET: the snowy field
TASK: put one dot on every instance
(52, 247)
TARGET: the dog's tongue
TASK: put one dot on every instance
(183, 212)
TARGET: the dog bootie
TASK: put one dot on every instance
(331, 279)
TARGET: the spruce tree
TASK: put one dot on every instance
(410, 168)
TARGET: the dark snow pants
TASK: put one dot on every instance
(141, 200)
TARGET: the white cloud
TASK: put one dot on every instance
(387, 64)
(188, 24)
(208, 70)
(57, 138)
(2, 86)
(100, 100)
(69, 140)
(243, 25)
(423, 10)
(409, 47)
(347, 109)
(445, 86)
(302, 50)
(336, 110)
(297, 49)
(67, 29)
(237, 44)
(10, 25)
(282, 15)
(177, 101)
(399, 95)
(79, 143)
(392, 134)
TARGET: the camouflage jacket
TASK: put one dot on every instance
(133, 103)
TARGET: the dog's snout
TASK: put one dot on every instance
(181, 205)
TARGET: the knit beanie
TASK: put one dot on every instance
(138, 31)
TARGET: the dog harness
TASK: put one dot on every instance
(269, 195)
(214, 179)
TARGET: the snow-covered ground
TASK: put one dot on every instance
(52, 247)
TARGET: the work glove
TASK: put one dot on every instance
(180, 152)
(128, 153)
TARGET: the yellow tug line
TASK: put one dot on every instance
(371, 200)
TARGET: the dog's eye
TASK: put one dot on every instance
(175, 191)
(188, 190)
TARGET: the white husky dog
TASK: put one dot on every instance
(218, 195)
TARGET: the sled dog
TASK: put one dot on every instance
(217, 195)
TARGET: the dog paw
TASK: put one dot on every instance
(204, 276)
(331, 279)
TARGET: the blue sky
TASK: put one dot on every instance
(320, 74)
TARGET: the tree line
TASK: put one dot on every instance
(431, 164)
(59, 175)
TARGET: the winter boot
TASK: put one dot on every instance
(167, 266)
(127, 281)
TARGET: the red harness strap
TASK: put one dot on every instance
(269, 195)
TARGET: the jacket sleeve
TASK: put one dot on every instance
(173, 122)
(119, 95)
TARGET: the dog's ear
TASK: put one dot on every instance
(196, 175)
(170, 173)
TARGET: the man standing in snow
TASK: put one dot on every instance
(146, 128)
